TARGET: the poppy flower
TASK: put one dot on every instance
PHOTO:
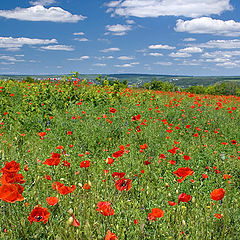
(104, 208)
(183, 172)
(138, 129)
(183, 197)
(10, 167)
(86, 186)
(84, 164)
(62, 189)
(172, 203)
(52, 200)
(144, 146)
(11, 192)
(123, 184)
(39, 214)
(118, 154)
(112, 110)
(118, 175)
(54, 160)
(111, 236)
(75, 222)
(217, 194)
(156, 213)
(109, 160)
(186, 157)
(136, 118)
(12, 178)
(218, 215)
(233, 142)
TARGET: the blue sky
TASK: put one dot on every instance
(182, 37)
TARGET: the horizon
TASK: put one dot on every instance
(196, 38)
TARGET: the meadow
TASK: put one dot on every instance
(81, 161)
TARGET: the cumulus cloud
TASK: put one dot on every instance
(58, 48)
(160, 46)
(163, 63)
(79, 59)
(11, 43)
(191, 50)
(40, 13)
(10, 59)
(223, 44)
(156, 8)
(100, 64)
(155, 54)
(125, 58)
(179, 54)
(81, 39)
(127, 65)
(207, 25)
(79, 33)
(110, 50)
(118, 29)
(189, 39)
(42, 2)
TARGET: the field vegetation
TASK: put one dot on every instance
(86, 161)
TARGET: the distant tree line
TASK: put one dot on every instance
(223, 88)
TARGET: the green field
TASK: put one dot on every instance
(136, 163)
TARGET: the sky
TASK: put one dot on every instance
(175, 37)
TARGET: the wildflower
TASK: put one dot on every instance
(156, 213)
(52, 200)
(84, 164)
(11, 192)
(111, 236)
(123, 184)
(39, 214)
(183, 197)
(217, 194)
(105, 209)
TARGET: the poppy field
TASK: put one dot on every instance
(82, 161)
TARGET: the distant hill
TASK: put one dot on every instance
(140, 79)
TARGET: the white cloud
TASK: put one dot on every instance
(100, 64)
(58, 47)
(189, 39)
(163, 63)
(118, 29)
(127, 65)
(192, 62)
(206, 25)
(223, 44)
(228, 64)
(130, 21)
(156, 8)
(179, 54)
(191, 50)
(110, 50)
(16, 43)
(79, 59)
(221, 54)
(160, 46)
(81, 39)
(42, 2)
(125, 58)
(40, 13)
(79, 33)
(155, 54)
(7, 63)
(11, 59)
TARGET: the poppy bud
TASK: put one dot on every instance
(183, 223)
(70, 211)
(80, 185)
(193, 199)
(70, 221)
(169, 194)
(89, 183)
(177, 192)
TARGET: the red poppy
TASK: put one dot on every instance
(183, 197)
(172, 203)
(118, 154)
(39, 214)
(111, 236)
(233, 142)
(11, 192)
(66, 164)
(52, 200)
(218, 215)
(136, 118)
(123, 184)
(104, 208)
(183, 172)
(118, 175)
(62, 189)
(144, 146)
(109, 160)
(10, 167)
(84, 164)
(146, 162)
(186, 157)
(12, 178)
(75, 222)
(217, 194)
(138, 129)
(112, 110)
(54, 160)
(86, 186)
(156, 213)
